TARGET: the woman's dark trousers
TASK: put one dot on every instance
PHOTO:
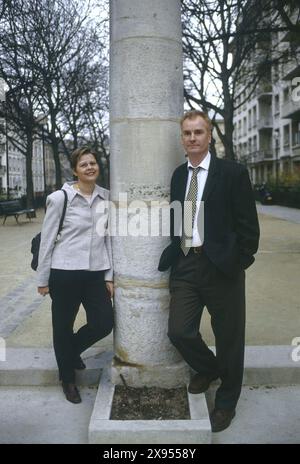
(68, 289)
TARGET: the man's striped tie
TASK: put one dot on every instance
(189, 212)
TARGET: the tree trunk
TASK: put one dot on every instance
(228, 122)
(228, 139)
(54, 144)
(212, 147)
(29, 180)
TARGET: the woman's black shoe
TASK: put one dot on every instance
(71, 392)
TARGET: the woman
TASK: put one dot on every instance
(75, 267)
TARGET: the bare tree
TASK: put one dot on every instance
(83, 118)
(60, 37)
(226, 44)
(4, 4)
(85, 89)
(49, 47)
(98, 128)
(22, 81)
(289, 13)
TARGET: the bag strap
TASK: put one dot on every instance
(63, 213)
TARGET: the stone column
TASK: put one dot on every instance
(146, 103)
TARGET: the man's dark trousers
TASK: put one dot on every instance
(196, 282)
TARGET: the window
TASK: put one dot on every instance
(296, 133)
(286, 95)
(254, 116)
(275, 72)
(250, 145)
(255, 143)
(286, 135)
(276, 104)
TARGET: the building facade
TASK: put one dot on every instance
(13, 168)
(267, 126)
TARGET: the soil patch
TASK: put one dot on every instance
(151, 403)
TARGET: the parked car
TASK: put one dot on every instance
(264, 195)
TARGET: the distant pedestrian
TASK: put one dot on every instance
(76, 267)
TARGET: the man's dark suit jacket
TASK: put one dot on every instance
(231, 229)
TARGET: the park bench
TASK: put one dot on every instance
(14, 208)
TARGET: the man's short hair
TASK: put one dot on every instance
(192, 114)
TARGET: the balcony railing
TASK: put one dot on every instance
(290, 109)
(291, 69)
(264, 89)
(260, 155)
(257, 156)
(264, 155)
(296, 151)
(289, 36)
(265, 122)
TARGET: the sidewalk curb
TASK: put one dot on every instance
(31, 366)
(37, 367)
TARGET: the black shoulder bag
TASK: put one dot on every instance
(36, 241)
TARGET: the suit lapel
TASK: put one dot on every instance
(211, 178)
(182, 183)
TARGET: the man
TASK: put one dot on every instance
(208, 268)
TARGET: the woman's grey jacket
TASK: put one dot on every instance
(84, 242)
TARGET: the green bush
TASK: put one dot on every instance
(284, 192)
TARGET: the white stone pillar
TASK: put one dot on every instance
(146, 103)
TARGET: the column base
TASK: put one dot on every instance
(164, 376)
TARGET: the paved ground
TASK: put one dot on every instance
(35, 415)
(265, 415)
(273, 297)
(281, 212)
(41, 415)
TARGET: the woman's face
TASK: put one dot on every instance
(87, 168)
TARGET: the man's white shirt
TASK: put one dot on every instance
(201, 181)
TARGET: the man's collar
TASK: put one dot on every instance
(204, 163)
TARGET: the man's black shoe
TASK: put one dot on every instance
(200, 383)
(71, 392)
(221, 419)
(79, 364)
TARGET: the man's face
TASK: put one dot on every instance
(195, 136)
